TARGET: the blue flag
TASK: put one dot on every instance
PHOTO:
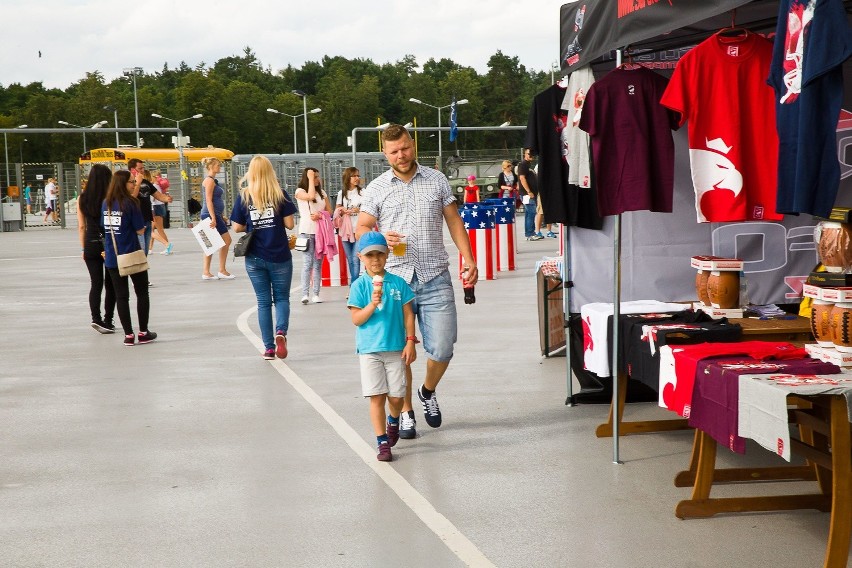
(454, 121)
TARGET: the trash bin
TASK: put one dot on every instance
(12, 217)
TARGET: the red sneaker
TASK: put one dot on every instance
(280, 345)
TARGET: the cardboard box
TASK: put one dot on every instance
(715, 263)
(837, 279)
(718, 313)
(829, 355)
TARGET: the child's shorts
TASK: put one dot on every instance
(382, 373)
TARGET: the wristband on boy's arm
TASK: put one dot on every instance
(412, 338)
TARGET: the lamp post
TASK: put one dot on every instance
(304, 96)
(6, 146)
(21, 149)
(182, 165)
(95, 125)
(115, 114)
(294, 117)
(133, 72)
(439, 109)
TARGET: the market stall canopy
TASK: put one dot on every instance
(591, 30)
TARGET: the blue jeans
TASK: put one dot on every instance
(271, 282)
(529, 218)
(434, 306)
(311, 266)
(352, 261)
(145, 238)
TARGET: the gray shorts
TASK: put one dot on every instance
(382, 373)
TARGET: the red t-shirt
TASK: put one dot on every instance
(720, 88)
(470, 193)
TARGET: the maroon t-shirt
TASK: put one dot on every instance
(632, 146)
(716, 395)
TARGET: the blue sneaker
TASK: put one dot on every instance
(430, 409)
(168, 250)
(537, 237)
(552, 235)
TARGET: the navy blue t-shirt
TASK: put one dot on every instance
(270, 241)
(124, 225)
(810, 47)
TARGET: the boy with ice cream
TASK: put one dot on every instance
(380, 304)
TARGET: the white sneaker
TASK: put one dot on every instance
(305, 299)
(316, 300)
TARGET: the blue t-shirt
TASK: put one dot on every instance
(124, 225)
(806, 74)
(218, 200)
(270, 241)
(385, 330)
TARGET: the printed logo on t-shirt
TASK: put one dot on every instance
(262, 219)
(717, 180)
(798, 19)
(734, 50)
(112, 219)
(758, 212)
(631, 89)
(561, 121)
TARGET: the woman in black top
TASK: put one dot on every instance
(92, 244)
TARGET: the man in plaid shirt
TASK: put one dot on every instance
(410, 203)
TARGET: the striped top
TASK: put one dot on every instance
(415, 209)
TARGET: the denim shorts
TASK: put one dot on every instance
(435, 308)
(159, 210)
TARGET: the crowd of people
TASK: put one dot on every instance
(392, 237)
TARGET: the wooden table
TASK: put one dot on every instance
(825, 442)
(794, 330)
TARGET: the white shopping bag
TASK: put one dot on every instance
(208, 237)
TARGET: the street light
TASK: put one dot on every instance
(21, 149)
(182, 166)
(133, 72)
(304, 96)
(439, 109)
(6, 146)
(95, 125)
(114, 110)
(294, 117)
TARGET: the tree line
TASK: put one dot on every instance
(234, 93)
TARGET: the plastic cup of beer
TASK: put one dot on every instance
(400, 247)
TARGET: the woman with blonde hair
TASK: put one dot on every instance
(264, 208)
(213, 208)
(507, 181)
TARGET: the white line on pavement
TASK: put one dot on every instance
(463, 548)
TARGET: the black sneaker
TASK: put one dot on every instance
(146, 337)
(407, 425)
(109, 325)
(430, 409)
(130, 340)
(101, 327)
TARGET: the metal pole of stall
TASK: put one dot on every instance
(567, 285)
(616, 316)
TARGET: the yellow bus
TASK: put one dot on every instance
(167, 160)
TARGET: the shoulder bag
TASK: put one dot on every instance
(301, 243)
(130, 263)
(242, 246)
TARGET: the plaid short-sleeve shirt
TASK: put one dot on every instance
(415, 209)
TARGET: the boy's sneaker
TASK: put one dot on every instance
(430, 409)
(392, 431)
(552, 235)
(129, 340)
(305, 299)
(537, 237)
(269, 354)
(383, 452)
(146, 337)
(280, 345)
(407, 425)
(101, 327)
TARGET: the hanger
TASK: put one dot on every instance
(628, 65)
(733, 34)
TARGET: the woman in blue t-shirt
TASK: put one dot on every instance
(213, 211)
(122, 221)
(265, 209)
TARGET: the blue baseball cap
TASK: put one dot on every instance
(372, 241)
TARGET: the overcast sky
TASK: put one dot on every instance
(79, 36)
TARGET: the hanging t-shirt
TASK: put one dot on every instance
(576, 140)
(547, 127)
(720, 88)
(632, 145)
(813, 39)
(270, 241)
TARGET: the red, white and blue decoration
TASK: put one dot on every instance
(335, 272)
(505, 219)
(480, 222)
